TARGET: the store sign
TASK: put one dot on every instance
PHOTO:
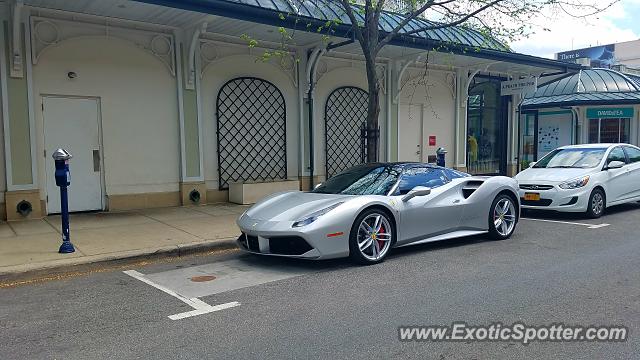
(519, 87)
(609, 113)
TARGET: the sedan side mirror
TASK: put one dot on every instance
(532, 163)
(615, 165)
(317, 186)
(417, 191)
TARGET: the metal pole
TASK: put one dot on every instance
(67, 246)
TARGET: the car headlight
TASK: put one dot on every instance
(575, 183)
(314, 216)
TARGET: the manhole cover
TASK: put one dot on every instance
(203, 278)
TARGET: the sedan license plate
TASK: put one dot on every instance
(532, 196)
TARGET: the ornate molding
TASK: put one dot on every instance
(212, 51)
(49, 32)
(428, 80)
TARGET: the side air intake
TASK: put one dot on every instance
(470, 187)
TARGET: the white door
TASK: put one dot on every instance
(72, 124)
(410, 133)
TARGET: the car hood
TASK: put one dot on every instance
(292, 206)
(547, 175)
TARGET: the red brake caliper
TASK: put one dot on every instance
(380, 242)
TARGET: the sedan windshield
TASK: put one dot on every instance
(369, 179)
(572, 158)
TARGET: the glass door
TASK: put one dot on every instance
(528, 139)
(487, 114)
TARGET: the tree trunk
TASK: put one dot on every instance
(373, 111)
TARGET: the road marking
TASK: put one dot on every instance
(589, 226)
(200, 307)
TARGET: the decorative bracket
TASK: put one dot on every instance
(314, 58)
(193, 47)
(404, 68)
(17, 61)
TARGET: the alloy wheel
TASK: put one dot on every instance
(504, 217)
(597, 203)
(374, 236)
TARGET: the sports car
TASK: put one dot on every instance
(366, 210)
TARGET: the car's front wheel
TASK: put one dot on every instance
(371, 237)
(597, 203)
(503, 217)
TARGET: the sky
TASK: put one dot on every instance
(617, 24)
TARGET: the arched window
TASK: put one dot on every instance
(251, 128)
(345, 114)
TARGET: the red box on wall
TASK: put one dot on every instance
(432, 140)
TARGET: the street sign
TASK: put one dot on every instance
(520, 86)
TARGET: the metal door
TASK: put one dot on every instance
(72, 124)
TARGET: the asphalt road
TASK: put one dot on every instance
(547, 273)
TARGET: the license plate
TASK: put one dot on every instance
(532, 196)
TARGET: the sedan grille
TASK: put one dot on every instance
(535, 187)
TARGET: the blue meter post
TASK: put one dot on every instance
(63, 180)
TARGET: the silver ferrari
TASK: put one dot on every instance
(365, 211)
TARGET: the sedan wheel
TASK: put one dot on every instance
(371, 237)
(502, 218)
(597, 204)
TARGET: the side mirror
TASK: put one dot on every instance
(317, 186)
(417, 191)
(615, 165)
(532, 163)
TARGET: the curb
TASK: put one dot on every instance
(120, 258)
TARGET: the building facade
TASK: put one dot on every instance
(591, 106)
(164, 103)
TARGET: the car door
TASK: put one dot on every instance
(617, 179)
(633, 172)
(430, 215)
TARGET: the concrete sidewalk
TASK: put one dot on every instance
(33, 245)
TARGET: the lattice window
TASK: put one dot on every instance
(251, 132)
(345, 115)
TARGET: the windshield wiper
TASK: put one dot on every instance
(562, 167)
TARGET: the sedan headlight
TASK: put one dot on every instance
(314, 216)
(575, 183)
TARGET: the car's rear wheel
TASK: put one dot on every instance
(503, 217)
(597, 204)
(371, 237)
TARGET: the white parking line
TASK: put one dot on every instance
(200, 307)
(589, 226)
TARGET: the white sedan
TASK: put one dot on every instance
(582, 178)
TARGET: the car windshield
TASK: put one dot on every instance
(572, 158)
(369, 179)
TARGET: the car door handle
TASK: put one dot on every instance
(456, 201)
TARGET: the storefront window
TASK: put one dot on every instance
(486, 129)
(609, 130)
(527, 139)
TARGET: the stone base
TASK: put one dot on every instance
(304, 181)
(185, 193)
(512, 170)
(461, 168)
(143, 200)
(249, 193)
(217, 196)
(12, 198)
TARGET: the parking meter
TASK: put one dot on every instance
(440, 156)
(63, 180)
